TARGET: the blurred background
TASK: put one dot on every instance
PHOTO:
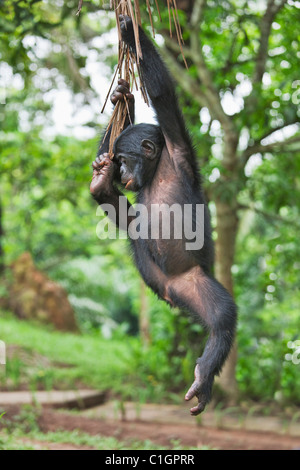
(73, 309)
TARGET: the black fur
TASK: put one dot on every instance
(158, 162)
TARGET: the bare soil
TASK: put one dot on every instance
(160, 433)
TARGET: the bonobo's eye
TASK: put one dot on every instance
(121, 159)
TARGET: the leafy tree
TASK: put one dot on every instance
(243, 74)
(240, 96)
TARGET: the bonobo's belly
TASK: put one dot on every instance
(171, 256)
(168, 234)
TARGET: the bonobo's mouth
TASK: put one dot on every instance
(125, 181)
(129, 183)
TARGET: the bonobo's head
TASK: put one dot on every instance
(137, 151)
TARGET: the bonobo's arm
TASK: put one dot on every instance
(104, 191)
(106, 172)
(118, 95)
(160, 88)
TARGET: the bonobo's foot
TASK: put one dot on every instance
(102, 176)
(200, 388)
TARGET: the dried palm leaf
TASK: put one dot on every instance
(128, 64)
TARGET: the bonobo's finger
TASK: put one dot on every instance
(196, 410)
(120, 92)
(192, 392)
(122, 89)
(101, 157)
(195, 387)
(129, 96)
(98, 164)
(104, 162)
(123, 82)
(116, 96)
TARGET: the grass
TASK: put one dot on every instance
(41, 358)
(22, 432)
(91, 360)
(40, 441)
(38, 355)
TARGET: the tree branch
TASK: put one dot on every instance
(273, 147)
(205, 93)
(278, 128)
(187, 83)
(273, 7)
(211, 92)
(208, 97)
(74, 70)
(268, 215)
(212, 96)
(197, 13)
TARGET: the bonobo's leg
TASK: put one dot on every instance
(150, 272)
(212, 304)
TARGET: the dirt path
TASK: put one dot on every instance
(159, 432)
(164, 434)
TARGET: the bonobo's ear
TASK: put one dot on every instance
(149, 148)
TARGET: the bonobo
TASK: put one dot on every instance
(159, 164)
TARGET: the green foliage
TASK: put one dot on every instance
(46, 359)
(102, 364)
(46, 205)
(91, 282)
(264, 371)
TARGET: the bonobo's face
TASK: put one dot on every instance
(131, 168)
(137, 151)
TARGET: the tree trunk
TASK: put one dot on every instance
(227, 225)
(1, 242)
(144, 322)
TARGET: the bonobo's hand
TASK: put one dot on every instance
(121, 91)
(103, 175)
(127, 30)
(200, 389)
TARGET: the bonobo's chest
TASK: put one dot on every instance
(162, 223)
(167, 185)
